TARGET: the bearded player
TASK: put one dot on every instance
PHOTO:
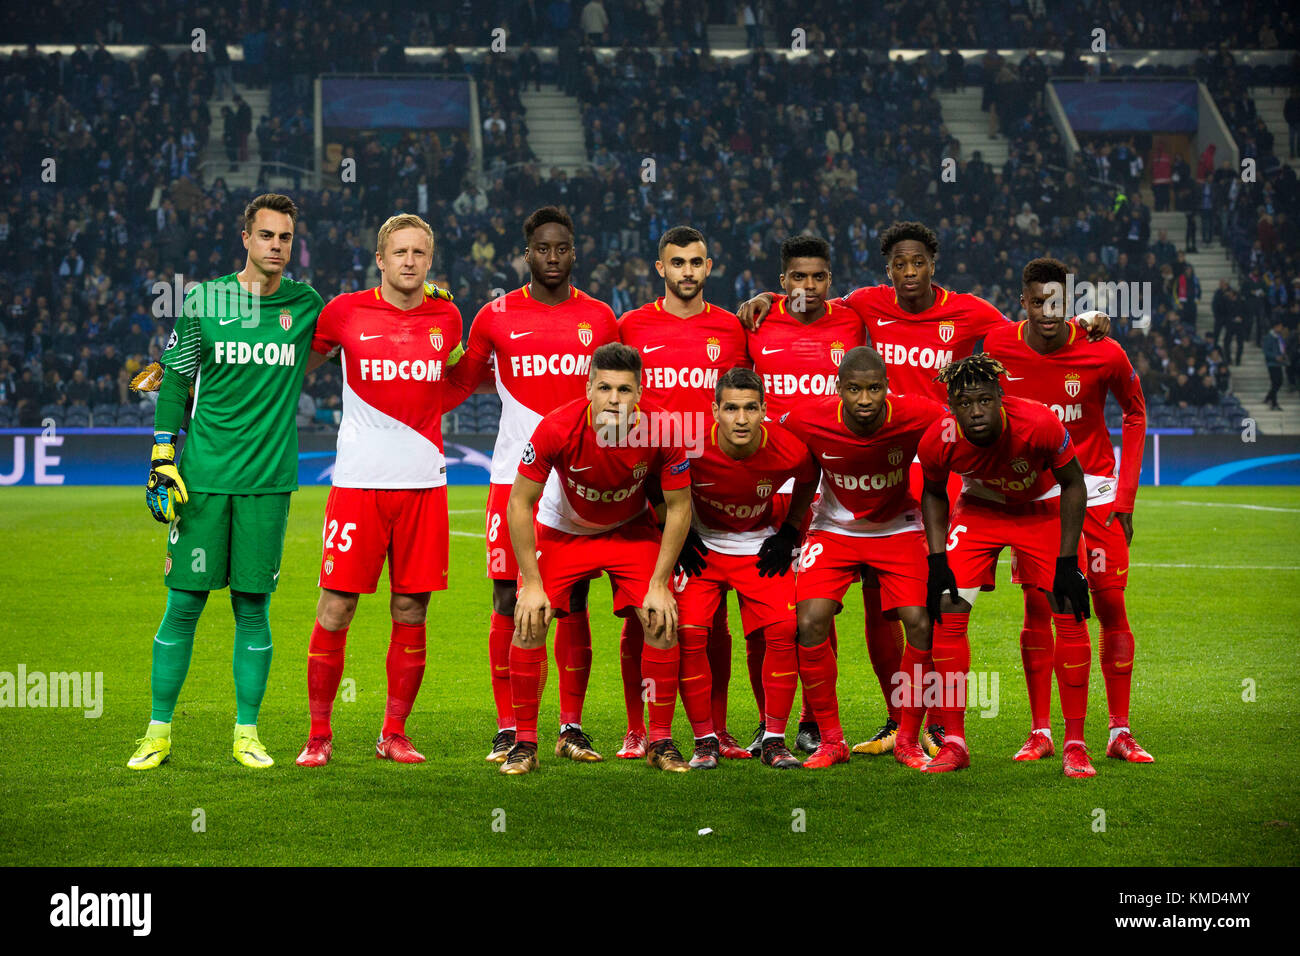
(1011, 453)
(1048, 360)
(685, 344)
(537, 342)
(389, 495)
(917, 327)
(246, 337)
(732, 545)
(865, 522)
(585, 470)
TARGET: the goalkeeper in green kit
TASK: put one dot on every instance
(241, 343)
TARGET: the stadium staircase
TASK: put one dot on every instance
(730, 36)
(554, 129)
(965, 120)
(214, 157)
(1269, 101)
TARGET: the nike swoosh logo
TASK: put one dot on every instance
(500, 668)
(413, 650)
(768, 351)
(519, 335)
(883, 322)
(322, 654)
(1122, 571)
(1015, 378)
(1084, 664)
(228, 321)
(704, 484)
(367, 338)
(166, 643)
(787, 674)
(276, 575)
(583, 468)
(265, 648)
(790, 607)
(652, 348)
(1123, 663)
(693, 677)
(572, 669)
(832, 456)
(811, 686)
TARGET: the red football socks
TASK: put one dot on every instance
(805, 708)
(1116, 652)
(324, 671)
(951, 656)
(500, 632)
(719, 650)
(907, 694)
(818, 672)
(629, 659)
(1073, 658)
(527, 665)
(696, 680)
(573, 664)
(780, 674)
(885, 642)
(1037, 654)
(659, 667)
(405, 665)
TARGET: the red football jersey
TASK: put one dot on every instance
(733, 498)
(797, 360)
(1016, 469)
(864, 486)
(1073, 381)
(683, 358)
(394, 382)
(916, 346)
(542, 357)
(599, 486)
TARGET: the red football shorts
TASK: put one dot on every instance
(763, 601)
(363, 526)
(1103, 551)
(628, 554)
(829, 563)
(977, 533)
(501, 563)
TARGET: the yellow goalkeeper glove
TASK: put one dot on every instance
(149, 378)
(165, 489)
(431, 289)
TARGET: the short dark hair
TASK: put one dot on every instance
(681, 236)
(909, 229)
(972, 371)
(743, 378)
(273, 201)
(863, 358)
(616, 357)
(805, 247)
(542, 216)
(1044, 270)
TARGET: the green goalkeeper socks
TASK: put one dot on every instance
(172, 647)
(252, 661)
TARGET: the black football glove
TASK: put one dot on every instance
(777, 553)
(939, 580)
(1070, 584)
(690, 560)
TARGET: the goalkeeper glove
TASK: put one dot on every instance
(434, 290)
(940, 580)
(777, 552)
(690, 560)
(165, 489)
(148, 379)
(1069, 584)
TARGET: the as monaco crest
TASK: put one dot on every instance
(286, 319)
(584, 334)
(764, 488)
(714, 349)
(329, 564)
(1019, 465)
(895, 456)
(946, 331)
(1072, 384)
(641, 466)
(435, 338)
(837, 353)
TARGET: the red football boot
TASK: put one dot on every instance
(633, 746)
(827, 754)
(951, 756)
(316, 752)
(728, 747)
(1076, 762)
(910, 754)
(1124, 747)
(397, 747)
(1038, 746)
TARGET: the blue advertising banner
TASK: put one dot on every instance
(384, 103)
(1123, 107)
(119, 456)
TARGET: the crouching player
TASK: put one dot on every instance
(865, 520)
(390, 479)
(587, 464)
(1011, 453)
(731, 545)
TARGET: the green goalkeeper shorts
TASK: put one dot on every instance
(218, 540)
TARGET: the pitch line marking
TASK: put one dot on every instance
(1224, 567)
(1223, 504)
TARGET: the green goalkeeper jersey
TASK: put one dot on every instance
(247, 358)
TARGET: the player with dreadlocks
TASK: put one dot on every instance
(1015, 458)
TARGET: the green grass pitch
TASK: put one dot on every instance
(1214, 602)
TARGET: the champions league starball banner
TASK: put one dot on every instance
(120, 456)
(1128, 106)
